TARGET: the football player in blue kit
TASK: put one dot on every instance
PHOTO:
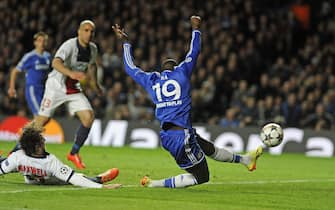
(36, 65)
(170, 91)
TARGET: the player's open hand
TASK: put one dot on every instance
(195, 22)
(120, 34)
(112, 186)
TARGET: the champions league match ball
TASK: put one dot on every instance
(272, 134)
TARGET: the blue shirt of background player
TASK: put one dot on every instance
(169, 90)
(36, 67)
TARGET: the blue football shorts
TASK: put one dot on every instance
(34, 95)
(183, 146)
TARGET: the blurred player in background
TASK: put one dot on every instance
(36, 65)
(74, 61)
(39, 167)
(171, 92)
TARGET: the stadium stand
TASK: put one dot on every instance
(260, 61)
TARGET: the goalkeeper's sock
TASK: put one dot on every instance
(81, 136)
(224, 155)
(182, 180)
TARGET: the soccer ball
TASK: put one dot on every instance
(272, 134)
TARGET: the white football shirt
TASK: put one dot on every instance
(46, 170)
(38, 169)
(75, 58)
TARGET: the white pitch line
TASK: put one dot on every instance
(258, 182)
(41, 190)
(131, 185)
(289, 181)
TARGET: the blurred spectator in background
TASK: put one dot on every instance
(2, 84)
(277, 48)
(291, 111)
(230, 120)
(249, 112)
(320, 120)
(269, 110)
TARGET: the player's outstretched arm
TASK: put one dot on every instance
(1, 170)
(131, 69)
(81, 181)
(8, 165)
(12, 80)
(191, 57)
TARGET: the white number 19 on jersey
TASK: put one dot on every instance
(176, 91)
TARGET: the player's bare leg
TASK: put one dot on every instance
(40, 120)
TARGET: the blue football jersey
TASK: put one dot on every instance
(170, 91)
(36, 67)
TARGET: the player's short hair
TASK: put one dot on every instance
(40, 33)
(31, 137)
(169, 64)
(87, 22)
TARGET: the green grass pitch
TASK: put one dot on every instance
(289, 181)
